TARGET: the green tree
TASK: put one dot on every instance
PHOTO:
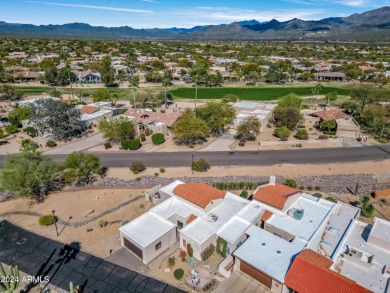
(27, 145)
(9, 93)
(30, 174)
(363, 95)
(288, 117)
(250, 127)
(190, 129)
(107, 74)
(330, 97)
(367, 208)
(330, 125)
(18, 114)
(101, 95)
(376, 119)
(81, 168)
(217, 115)
(230, 98)
(116, 129)
(290, 101)
(167, 80)
(60, 120)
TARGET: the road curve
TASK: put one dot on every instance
(242, 158)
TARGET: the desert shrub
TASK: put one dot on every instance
(382, 140)
(367, 208)
(107, 145)
(179, 273)
(131, 144)
(317, 187)
(148, 132)
(162, 111)
(11, 129)
(291, 182)
(319, 195)
(322, 137)
(282, 132)
(302, 134)
(244, 193)
(171, 261)
(221, 247)
(47, 220)
(309, 188)
(331, 199)
(138, 179)
(330, 132)
(156, 174)
(183, 255)
(205, 254)
(31, 131)
(143, 138)
(190, 251)
(208, 286)
(51, 144)
(162, 170)
(200, 165)
(241, 143)
(137, 167)
(103, 223)
(302, 187)
(158, 138)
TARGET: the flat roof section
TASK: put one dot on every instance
(268, 253)
(147, 228)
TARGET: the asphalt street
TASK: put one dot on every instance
(242, 158)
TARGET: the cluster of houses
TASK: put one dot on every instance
(322, 70)
(288, 240)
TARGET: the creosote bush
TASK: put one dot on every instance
(201, 165)
(158, 138)
(47, 220)
(137, 167)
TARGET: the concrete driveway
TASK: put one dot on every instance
(78, 145)
(240, 282)
(221, 144)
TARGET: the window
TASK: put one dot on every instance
(158, 246)
(179, 224)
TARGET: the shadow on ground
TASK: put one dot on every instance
(40, 257)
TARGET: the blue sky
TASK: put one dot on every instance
(179, 13)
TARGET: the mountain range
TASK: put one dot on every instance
(370, 26)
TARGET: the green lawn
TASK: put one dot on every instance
(252, 93)
(33, 90)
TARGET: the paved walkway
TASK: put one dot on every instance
(39, 256)
(223, 143)
(78, 145)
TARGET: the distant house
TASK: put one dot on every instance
(347, 127)
(88, 77)
(91, 114)
(330, 76)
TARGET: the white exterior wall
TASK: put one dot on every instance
(196, 247)
(167, 240)
(233, 246)
(290, 200)
(209, 207)
(149, 253)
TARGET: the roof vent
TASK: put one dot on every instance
(263, 244)
(298, 214)
(212, 217)
(278, 252)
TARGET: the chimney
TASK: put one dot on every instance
(272, 180)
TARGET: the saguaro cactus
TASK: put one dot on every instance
(9, 282)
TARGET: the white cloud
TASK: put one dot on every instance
(218, 15)
(95, 7)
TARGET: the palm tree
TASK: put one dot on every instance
(134, 83)
(68, 69)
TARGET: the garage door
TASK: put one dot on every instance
(255, 274)
(133, 248)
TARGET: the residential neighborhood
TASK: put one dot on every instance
(163, 147)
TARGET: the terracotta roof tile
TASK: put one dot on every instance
(274, 195)
(330, 114)
(266, 216)
(200, 194)
(88, 109)
(310, 273)
(191, 218)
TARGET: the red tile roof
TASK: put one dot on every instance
(332, 114)
(275, 195)
(310, 273)
(191, 218)
(146, 117)
(88, 109)
(200, 194)
(266, 216)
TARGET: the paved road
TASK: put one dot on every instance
(241, 158)
(39, 256)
